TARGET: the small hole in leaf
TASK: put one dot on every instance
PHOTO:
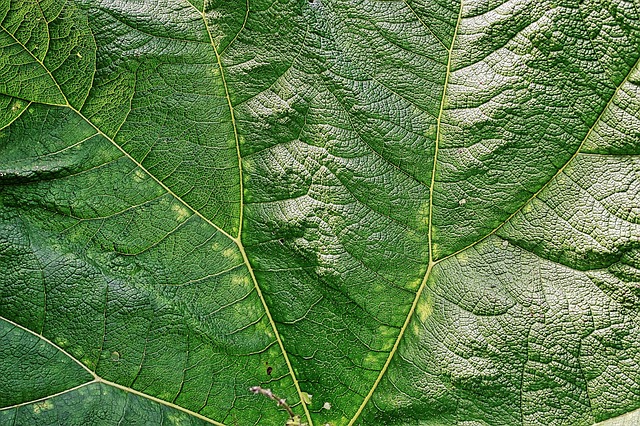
(269, 370)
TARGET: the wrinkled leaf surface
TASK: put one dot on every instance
(413, 212)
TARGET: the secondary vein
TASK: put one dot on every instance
(35, 58)
(559, 172)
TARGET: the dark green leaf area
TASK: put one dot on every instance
(26, 359)
(48, 52)
(167, 309)
(416, 212)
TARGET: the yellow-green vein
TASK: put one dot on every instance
(97, 379)
(35, 58)
(238, 239)
(431, 262)
(560, 170)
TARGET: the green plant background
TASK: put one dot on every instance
(422, 212)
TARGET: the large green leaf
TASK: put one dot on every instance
(416, 211)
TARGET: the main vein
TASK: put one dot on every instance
(233, 123)
(238, 238)
(430, 226)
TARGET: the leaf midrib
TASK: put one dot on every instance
(237, 239)
(429, 227)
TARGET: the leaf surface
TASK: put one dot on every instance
(408, 212)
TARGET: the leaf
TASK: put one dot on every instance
(418, 212)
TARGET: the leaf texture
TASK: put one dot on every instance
(409, 212)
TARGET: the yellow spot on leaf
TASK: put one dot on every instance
(387, 335)
(431, 131)
(424, 309)
(416, 327)
(435, 250)
(181, 212)
(306, 398)
(61, 342)
(230, 253)
(265, 327)
(177, 420)
(42, 406)
(138, 175)
(374, 360)
(423, 214)
(240, 280)
(89, 363)
(415, 284)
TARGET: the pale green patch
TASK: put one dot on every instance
(181, 212)
(45, 405)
